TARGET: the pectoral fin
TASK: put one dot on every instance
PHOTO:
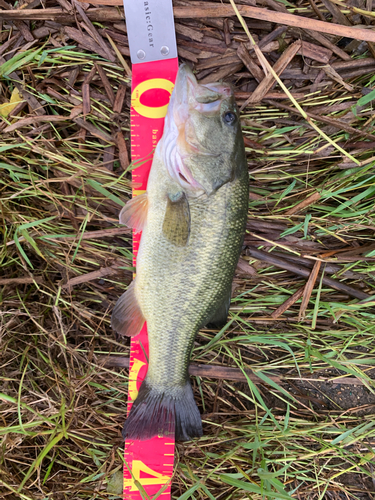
(176, 225)
(134, 213)
(127, 318)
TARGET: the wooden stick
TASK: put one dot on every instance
(89, 235)
(329, 45)
(21, 281)
(94, 130)
(268, 82)
(229, 373)
(288, 303)
(254, 69)
(339, 124)
(209, 10)
(119, 99)
(315, 52)
(277, 94)
(86, 103)
(100, 273)
(106, 83)
(215, 10)
(309, 288)
(310, 200)
(123, 152)
(305, 272)
(31, 120)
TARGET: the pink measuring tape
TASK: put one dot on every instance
(152, 42)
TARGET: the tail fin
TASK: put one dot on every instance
(157, 412)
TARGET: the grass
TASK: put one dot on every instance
(62, 410)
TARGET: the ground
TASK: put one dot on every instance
(295, 419)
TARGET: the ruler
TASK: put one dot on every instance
(148, 464)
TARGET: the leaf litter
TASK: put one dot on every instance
(286, 388)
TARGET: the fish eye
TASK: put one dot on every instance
(229, 117)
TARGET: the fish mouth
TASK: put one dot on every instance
(189, 94)
(184, 88)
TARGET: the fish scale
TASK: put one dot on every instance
(189, 275)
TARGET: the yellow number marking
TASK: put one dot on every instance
(138, 467)
(133, 375)
(148, 111)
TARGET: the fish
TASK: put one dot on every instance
(192, 217)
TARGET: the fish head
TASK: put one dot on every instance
(202, 144)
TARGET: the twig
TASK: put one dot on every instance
(310, 200)
(309, 288)
(21, 281)
(229, 373)
(305, 272)
(94, 130)
(288, 303)
(268, 82)
(325, 119)
(32, 120)
(93, 32)
(106, 83)
(123, 152)
(329, 45)
(88, 235)
(209, 10)
(100, 273)
(254, 69)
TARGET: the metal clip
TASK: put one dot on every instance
(151, 31)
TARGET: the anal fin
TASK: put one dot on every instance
(134, 213)
(127, 318)
(220, 316)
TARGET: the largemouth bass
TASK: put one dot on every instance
(192, 219)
